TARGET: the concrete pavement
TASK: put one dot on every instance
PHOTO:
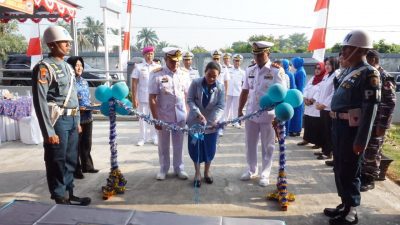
(22, 176)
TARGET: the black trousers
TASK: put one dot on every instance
(313, 130)
(85, 161)
(347, 165)
(327, 146)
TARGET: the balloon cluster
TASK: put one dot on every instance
(118, 91)
(283, 100)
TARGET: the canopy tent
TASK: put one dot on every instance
(36, 10)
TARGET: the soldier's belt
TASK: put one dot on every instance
(339, 115)
(71, 112)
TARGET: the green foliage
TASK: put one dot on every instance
(10, 42)
(198, 49)
(298, 42)
(335, 48)
(147, 37)
(391, 150)
(241, 47)
(383, 47)
(93, 32)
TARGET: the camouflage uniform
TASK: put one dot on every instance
(372, 155)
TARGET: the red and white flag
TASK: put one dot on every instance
(317, 43)
(34, 48)
(126, 44)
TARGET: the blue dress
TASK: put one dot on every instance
(285, 64)
(296, 122)
(203, 150)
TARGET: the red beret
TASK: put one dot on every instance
(147, 49)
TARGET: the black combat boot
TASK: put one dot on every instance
(62, 201)
(333, 212)
(367, 183)
(346, 217)
(77, 200)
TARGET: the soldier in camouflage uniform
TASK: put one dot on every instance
(372, 157)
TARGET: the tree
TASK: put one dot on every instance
(161, 45)
(83, 41)
(268, 38)
(198, 49)
(335, 48)
(298, 42)
(241, 47)
(383, 47)
(64, 24)
(147, 37)
(94, 32)
(10, 42)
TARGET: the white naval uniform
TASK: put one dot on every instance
(232, 96)
(141, 73)
(193, 74)
(224, 75)
(171, 90)
(257, 81)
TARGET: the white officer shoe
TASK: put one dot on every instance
(161, 176)
(182, 175)
(264, 181)
(221, 132)
(140, 142)
(248, 175)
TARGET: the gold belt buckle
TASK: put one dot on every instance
(74, 112)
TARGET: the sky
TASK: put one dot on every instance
(379, 18)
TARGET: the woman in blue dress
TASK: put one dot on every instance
(85, 161)
(206, 100)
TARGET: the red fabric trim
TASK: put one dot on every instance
(321, 4)
(318, 39)
(34, 47)
(126, 41)
(129, 6)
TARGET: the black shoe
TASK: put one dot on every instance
(316, 147)
(79, 201)
(62, 201)
(341, 220)
(209, 180)
(367, 186)
(197, 183)
(90, 171)
(318, 153)
(329, 162)
(333, 212)
(302, 143)
(78, 175)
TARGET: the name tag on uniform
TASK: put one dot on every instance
(251, 76)
(268, 77)
(164, 80)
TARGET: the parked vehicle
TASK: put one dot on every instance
(21, 61)
(398, 83)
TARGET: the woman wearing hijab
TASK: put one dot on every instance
(85, 162)
(206, 100)
(323, 103)
(312, 123)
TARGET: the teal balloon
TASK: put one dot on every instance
(120, 90)
(277, 92)
(121, 110)
(294, 97)
(266, 102)
(284, 111)
(103, 93)
(105, 109)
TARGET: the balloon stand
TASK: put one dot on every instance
(281, 194)
(116, 181)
